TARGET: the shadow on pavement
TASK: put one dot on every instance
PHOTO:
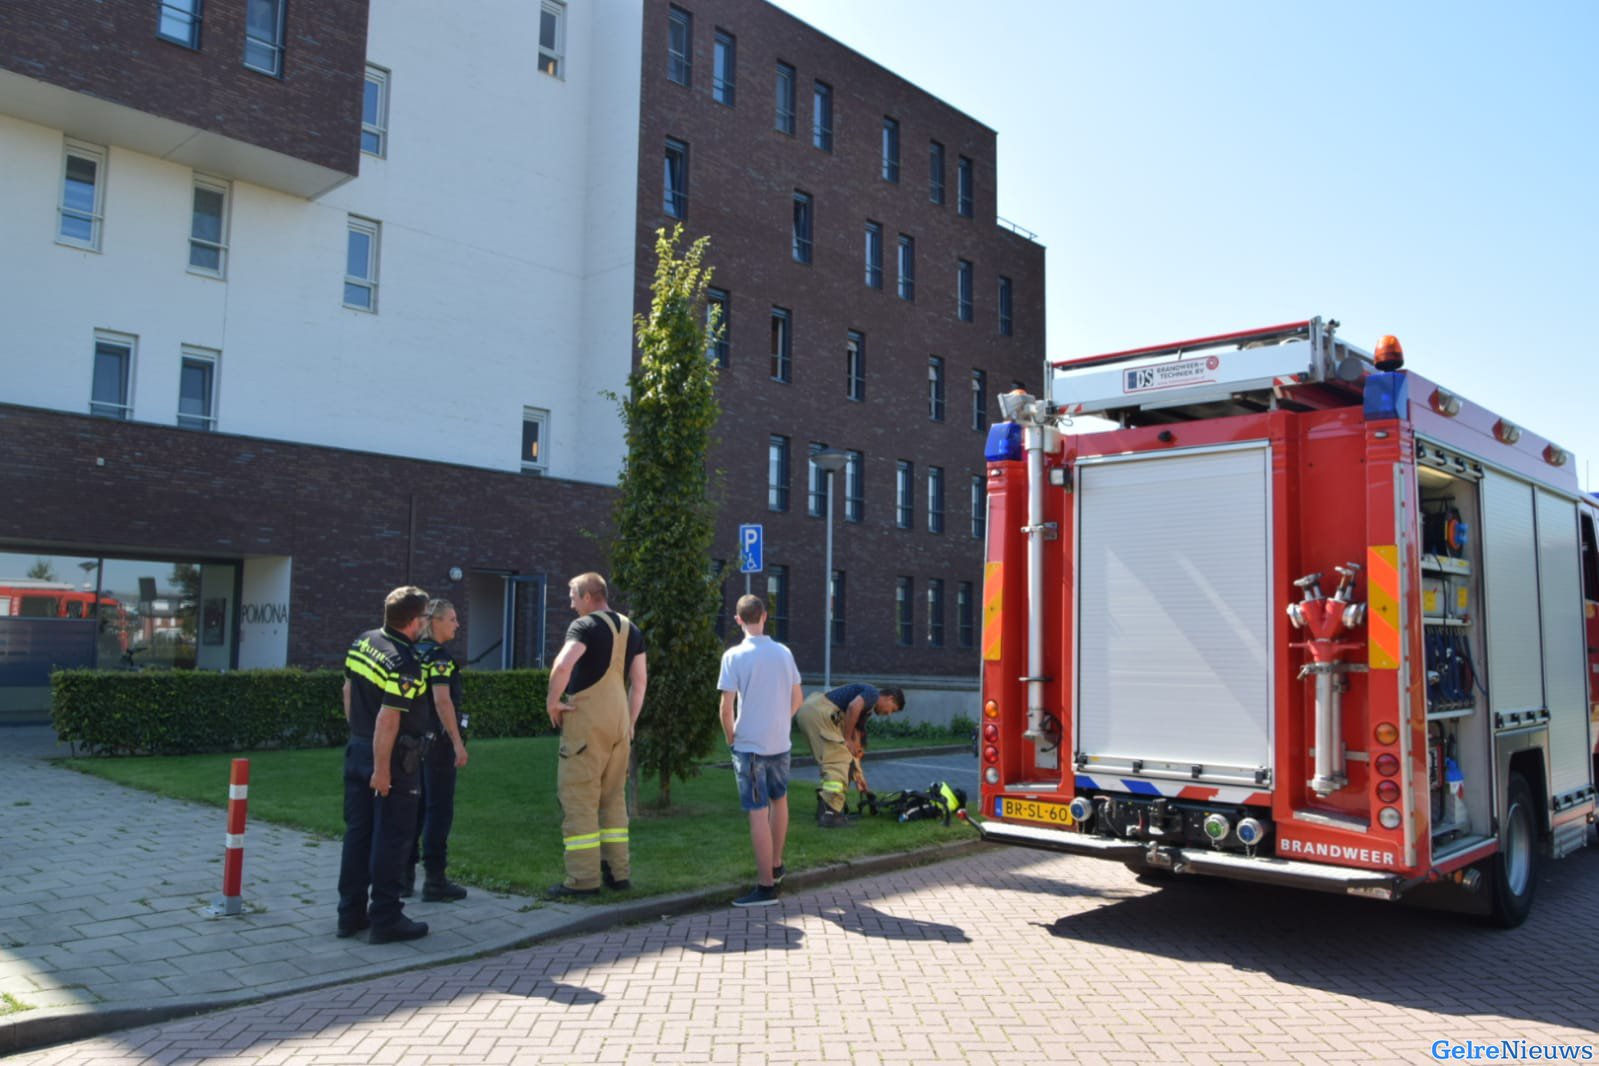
(869, 921)
(1372, 950)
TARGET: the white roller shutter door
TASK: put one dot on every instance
(1565, 659)
(1510, 592)
(1175, 608)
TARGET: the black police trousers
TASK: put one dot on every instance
(378, 831)
(437, 811)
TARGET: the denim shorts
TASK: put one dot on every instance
(761, 778)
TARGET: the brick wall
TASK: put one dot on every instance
(356, 524)
(742, 177)
(111, 51)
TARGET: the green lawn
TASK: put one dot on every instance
(507, 833)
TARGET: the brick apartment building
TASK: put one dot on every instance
(298, 309)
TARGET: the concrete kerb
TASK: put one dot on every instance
(43, 1026)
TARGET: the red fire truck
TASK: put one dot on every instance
(1302, 617)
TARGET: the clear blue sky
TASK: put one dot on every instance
(1423, 168)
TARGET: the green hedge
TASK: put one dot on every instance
(151, 712)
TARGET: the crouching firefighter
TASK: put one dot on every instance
(834, 724)
(595, 695)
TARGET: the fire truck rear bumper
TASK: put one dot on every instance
(1355, 882)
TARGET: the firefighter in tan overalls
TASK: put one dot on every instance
(834, 724)
(596, 692)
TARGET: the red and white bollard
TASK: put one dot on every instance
(232, 901)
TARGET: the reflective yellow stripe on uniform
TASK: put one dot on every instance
(363, 669)
(582, 842)
(614, 836)
(832, 786)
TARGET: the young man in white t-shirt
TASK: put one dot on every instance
(762, 676)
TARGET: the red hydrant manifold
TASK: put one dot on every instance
(1327, 620)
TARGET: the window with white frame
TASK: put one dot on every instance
(263, 36)
(679, 46)
(180, 22)
(552, 39)
(979, 400)
(111, 394)
(197, 388)
(361, 264)
(82, 196)
(208, 228)
(375, 113)
(935, 388)
(535, 427)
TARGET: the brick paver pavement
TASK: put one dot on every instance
(1007, 956)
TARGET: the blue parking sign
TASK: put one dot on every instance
(751, 556)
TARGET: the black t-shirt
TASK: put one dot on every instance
(595, 636)
(383, 671)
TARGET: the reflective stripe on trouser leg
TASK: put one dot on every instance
(815, 719)
(582, 842)
(613, 811)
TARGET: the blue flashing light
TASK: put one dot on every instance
(1387, 395)
(1004, 442)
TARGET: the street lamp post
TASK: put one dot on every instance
(830, 461)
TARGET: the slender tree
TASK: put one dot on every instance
(42, 569)
(661, 558)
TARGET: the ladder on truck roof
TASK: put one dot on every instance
(1293, 366)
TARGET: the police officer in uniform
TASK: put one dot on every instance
(595, 695)
(382, 770)
(446, 753)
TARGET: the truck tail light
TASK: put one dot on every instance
(990, 753)
(991, 732)
(1387, 733)
(991, 709)
(1388, 791)
(1388, 818)
(1387, 764)
(991, 775)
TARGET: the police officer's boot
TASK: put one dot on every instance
(436, 888)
